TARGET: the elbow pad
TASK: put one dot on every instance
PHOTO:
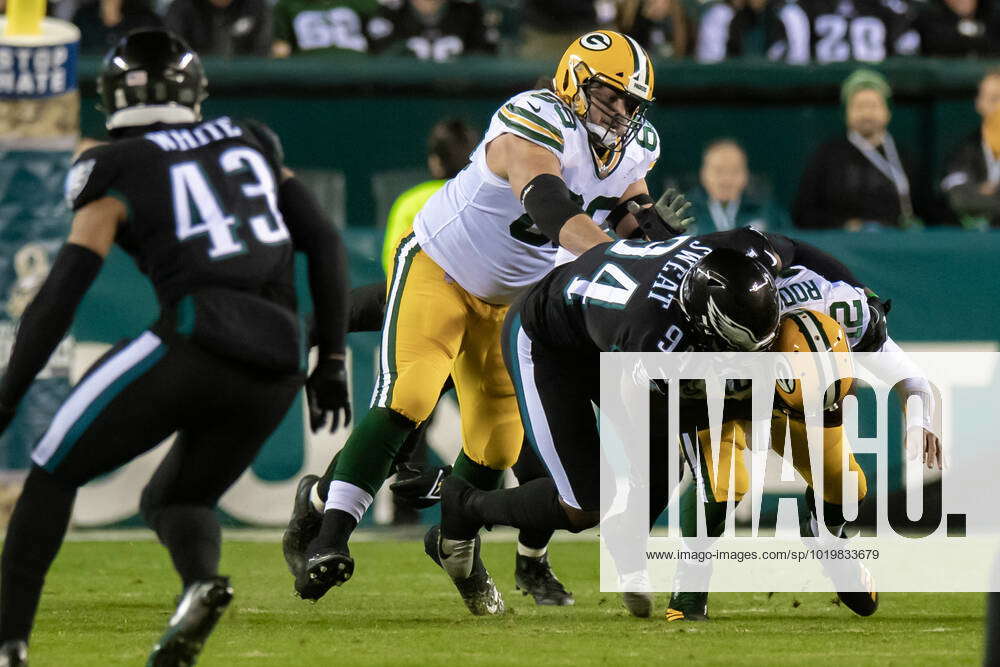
(549, 203)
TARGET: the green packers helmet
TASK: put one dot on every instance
(616, 61)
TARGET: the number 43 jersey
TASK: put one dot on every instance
(475, 227)
(202, 206)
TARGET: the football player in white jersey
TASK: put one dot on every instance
(555, 169)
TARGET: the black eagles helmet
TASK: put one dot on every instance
(155, 76)
(732, 300)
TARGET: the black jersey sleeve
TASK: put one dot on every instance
(92, 176)
(269, 143)
(314, 234)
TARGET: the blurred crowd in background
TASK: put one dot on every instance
(795, 31)
(859, 180)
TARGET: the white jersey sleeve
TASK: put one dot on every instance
(539, 117)
(799, 287)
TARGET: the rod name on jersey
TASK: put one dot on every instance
(217, 129)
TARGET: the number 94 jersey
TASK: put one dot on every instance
(475, 227)
(202, 205)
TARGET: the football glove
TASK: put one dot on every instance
(876, 333)
(419, 487)
(666, 218)
(326, 392)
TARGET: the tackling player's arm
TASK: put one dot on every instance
(315, 235)
(535, 177)
(51, 312)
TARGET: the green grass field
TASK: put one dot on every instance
(106, 603)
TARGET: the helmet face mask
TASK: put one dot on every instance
(606, 79)
(151, 76)
(613, 117)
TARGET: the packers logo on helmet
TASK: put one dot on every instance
(615, 61)
(829, 368)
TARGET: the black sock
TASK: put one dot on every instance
(535, 539)
(334, 533)
(533, 507)
(192, 535)
(34, 535)
(833, 516)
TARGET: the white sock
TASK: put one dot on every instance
(314, 498)
(348, 498)
(529, 552)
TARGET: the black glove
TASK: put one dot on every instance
(876, 333)
(666, 218)
(326, 391)
(418, 487)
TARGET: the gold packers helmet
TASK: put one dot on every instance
(614, 60)
(830, 368)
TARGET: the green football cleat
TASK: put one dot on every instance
(200, 608)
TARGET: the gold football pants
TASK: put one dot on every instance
(433, 328)
(714, 481)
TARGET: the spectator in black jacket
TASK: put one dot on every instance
(860, 180)
(972, 177)
(431, 29)
(549, 26)
(223, 27)
(661, 26)
(960, 28)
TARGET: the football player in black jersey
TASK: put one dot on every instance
(210, 215)
(687, 293)
(630, 296)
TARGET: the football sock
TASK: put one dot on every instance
(192, 535)
(715, 516)
(366, 459)
(530, 552)
(334, 533)
(833, 517)
(533, 506)
(476, 474)
(34, 535)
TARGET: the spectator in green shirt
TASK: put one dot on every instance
(448, 148)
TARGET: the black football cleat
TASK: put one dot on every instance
(323, 570)
(200, 608)
(302, 527)
(534, 576)
(466, 569)
(688, 607)
(14, 653)
(855, 586)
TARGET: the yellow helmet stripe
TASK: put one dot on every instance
(530, 130)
